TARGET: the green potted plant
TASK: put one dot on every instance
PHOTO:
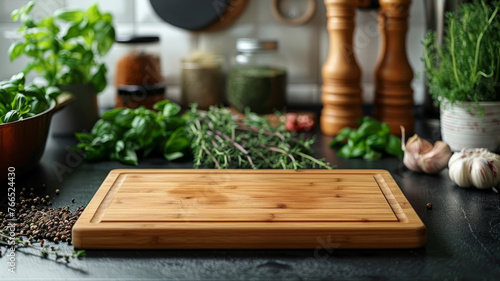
(462, 75)
(66, 48)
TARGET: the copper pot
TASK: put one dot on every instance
(22, 142)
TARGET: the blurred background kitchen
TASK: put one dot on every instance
(304, 47)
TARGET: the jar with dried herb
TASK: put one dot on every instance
(258, 77)
(202, 79)
(139, 67)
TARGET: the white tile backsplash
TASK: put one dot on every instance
(144, 12)
(41, 8)
(174, 45)
(305, 47)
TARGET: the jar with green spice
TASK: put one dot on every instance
(258, 77)
(202, 79)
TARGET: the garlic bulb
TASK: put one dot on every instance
(475, 167)
(422, 156)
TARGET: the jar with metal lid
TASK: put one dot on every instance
(258, 77)
(139, 67)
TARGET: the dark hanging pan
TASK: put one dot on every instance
(199, 15)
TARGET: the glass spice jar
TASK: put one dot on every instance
(202, 79)
(258, 77)
(140, 67)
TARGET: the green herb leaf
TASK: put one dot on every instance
(16, 50)
(171, 109)
(394, 146)
(376, 141)
(65, 48)
(12, 116)
(368, 127)
(176, 143)
(99, 78)
(93, 14)
(372, 155)
(75, 16)
(111, 114)
(368, 141)
(18, 102)
(466, 66)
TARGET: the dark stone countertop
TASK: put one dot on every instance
(463, 233)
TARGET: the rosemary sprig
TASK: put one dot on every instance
(45, 250)
(223, 140)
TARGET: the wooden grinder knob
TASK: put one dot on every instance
(341, 90)
(393, 74)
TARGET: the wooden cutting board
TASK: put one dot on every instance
(236, 209)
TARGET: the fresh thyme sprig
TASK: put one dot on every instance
(223, 140)
(45, 250)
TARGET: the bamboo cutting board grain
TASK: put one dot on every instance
(237, 209)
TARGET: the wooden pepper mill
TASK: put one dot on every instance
(341, 90)
(393, 74)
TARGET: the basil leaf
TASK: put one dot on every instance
(174, 155)
(345, 151)
(111, 114)
(171, 109)
(99, 78)
(394, 146)
(341, 138)
(93, 14)
(358, 149)
(19, 102)
(372, 155)
(53, 92)
(139, 124)
(16, 50)
(72, 32)
(161, 104)
(70, 15)
(376, 141)
(12, 116)
(38, 106)
(18, 79)
(177, 142)
(369, 127)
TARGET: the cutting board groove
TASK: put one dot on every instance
(185, 209)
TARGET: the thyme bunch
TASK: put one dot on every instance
(223, 140)
(466, 68)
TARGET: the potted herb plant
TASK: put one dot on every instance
(66, 48)
(463, 74)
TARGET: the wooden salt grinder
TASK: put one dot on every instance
(393, 74)
(341, 90)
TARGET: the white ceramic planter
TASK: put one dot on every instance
(78, 116)
(463, 129)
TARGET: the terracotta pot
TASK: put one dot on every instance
(80, 115)
(464, 128)
(22, 142)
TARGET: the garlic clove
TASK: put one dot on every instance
(421, 156)
(411, 162)
(459, 171)
(417, 145)
(436, 159)
(480, 174)
(494, 164)
(456, 157)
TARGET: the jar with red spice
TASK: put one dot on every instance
(138, 78)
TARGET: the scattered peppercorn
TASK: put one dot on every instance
(58, 191)
(429, 206)
(38, 222)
